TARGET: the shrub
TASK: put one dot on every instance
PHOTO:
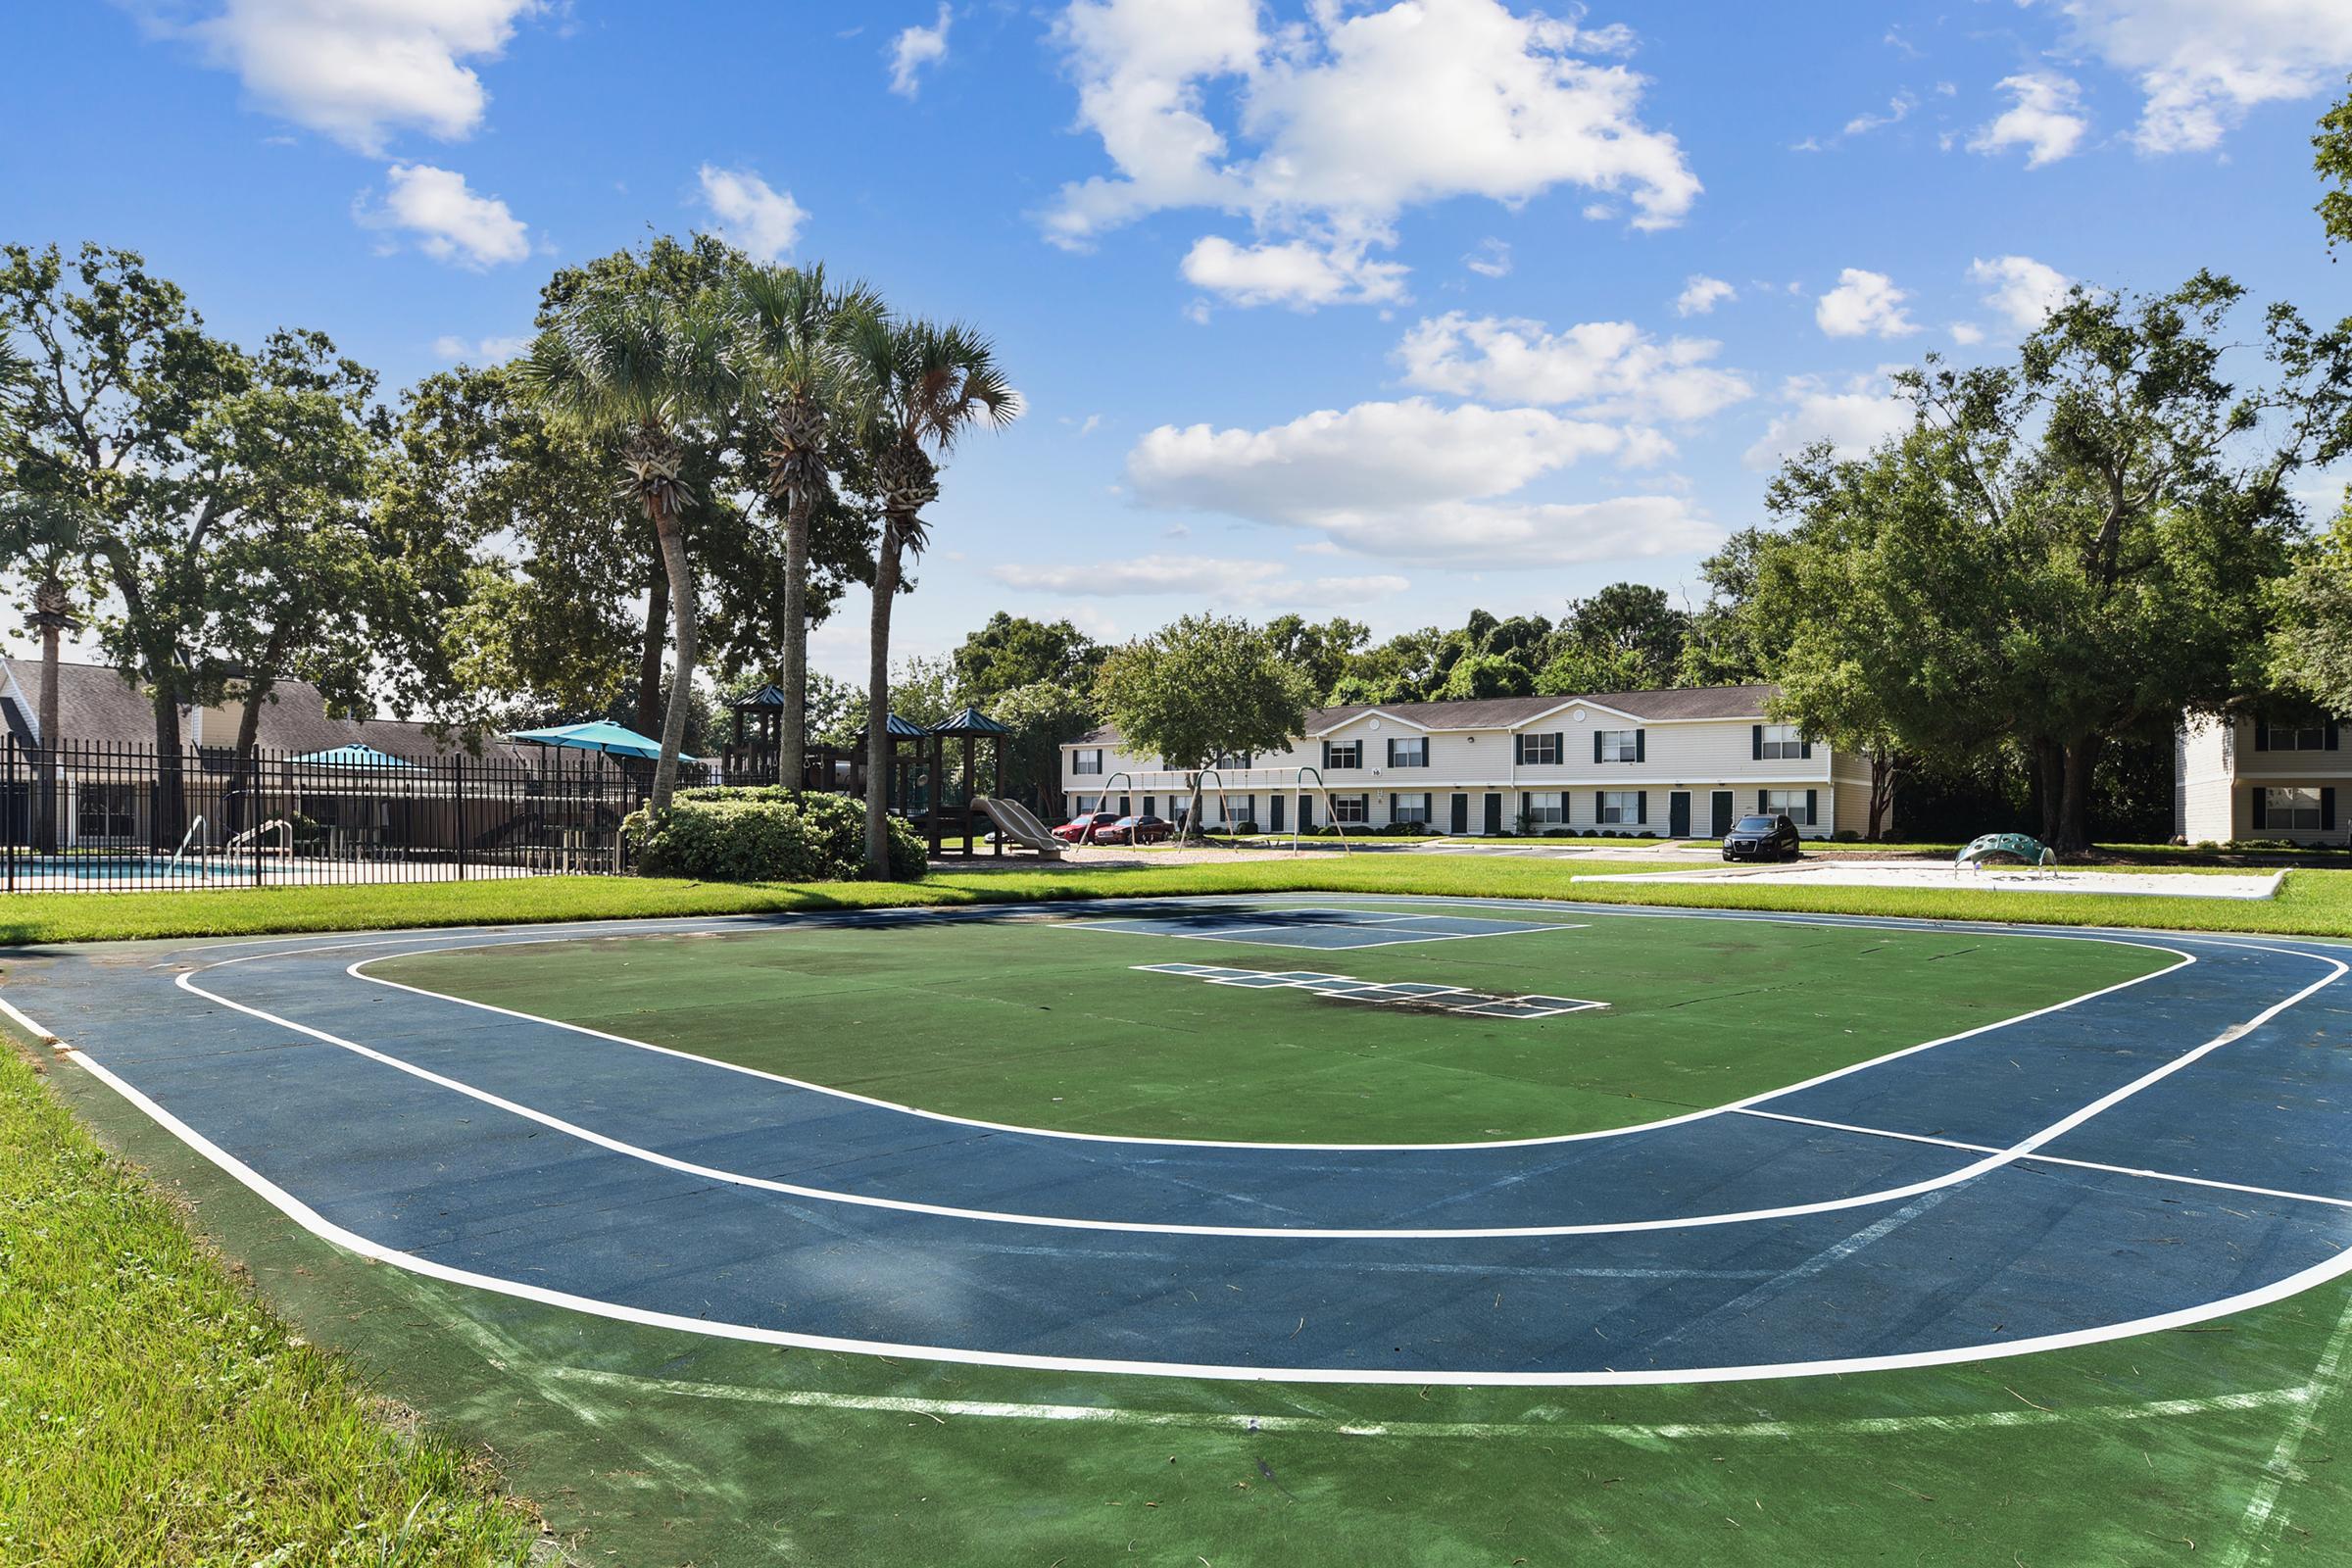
(1846, 835)
(1245, 825)
(766, 834)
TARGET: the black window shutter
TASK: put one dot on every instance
(1391, 798)
(1805, 750)
(2262, 808)
(1597, 746)
(1756, 743)
(1597, 799)
(1763, 800)
(2261, 735)
(1327, 755)
(2328, 811)
(1559, 748)
(1518, 748)
(2334, 733)
(1642, 807)
(1812, 807)
(1392, 751)
(1641, 747)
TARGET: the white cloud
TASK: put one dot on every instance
(1898, 108)
(1412, 481)
(359, 69)
(450, 222)
(2024, 290)
(2042, 116)
(1864, 305)
(1297, 273)
(2201, 66)
(1611, 370)
(1853, 417)
(1259, 584)
(751, 213)
(1491, 259)
(913, 49)
(1702, 294)
(485, 351)
(1504, 107)
(1966, 333)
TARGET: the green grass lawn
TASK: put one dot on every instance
(153, 1412)
(2310, 902)
(1046, 1025)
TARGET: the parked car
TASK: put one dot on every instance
(1762, 838)
(1135, 830)
(1074, 829)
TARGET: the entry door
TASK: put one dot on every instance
(1678, 814)
(1494, 813)
(1306, 813)
(1723, 813)
(1274, 810)
(1459, 821)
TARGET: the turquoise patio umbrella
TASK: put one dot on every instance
(596, 735)
(354, 756)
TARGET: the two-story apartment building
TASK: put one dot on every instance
(1670, 764)
(2260, 776)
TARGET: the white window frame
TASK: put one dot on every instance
(2283, 807)
(1397, 750)
(1402, 812)
(1783, 743)
(1351, 810)
(1079, 767)
(1353, 759)
(1791, 806)
(1548, 742)
(1620, 745)
(1622, 808)
(107, 805)
(1539, 813)
(2312, 737)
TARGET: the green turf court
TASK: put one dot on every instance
(1048, 1022)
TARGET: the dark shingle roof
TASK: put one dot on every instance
(1507, 712)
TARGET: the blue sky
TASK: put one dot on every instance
(1375, 307)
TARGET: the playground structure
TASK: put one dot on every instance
(2004, 849)
(1017, 823)
(1304, 784)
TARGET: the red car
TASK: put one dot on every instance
(1074, 829)
(1136, 830)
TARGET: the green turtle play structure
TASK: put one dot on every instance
(2004, 849)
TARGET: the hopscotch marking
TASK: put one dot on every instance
(1346, 988)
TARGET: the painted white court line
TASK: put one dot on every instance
(358, 971)
(2058, 1160)
(318, 1225)
(1537, 1421)
(2253, 1530)
(1993, 1161)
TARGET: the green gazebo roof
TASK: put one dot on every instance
(972, 721)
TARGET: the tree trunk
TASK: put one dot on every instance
(1192, 813)
(648, 658)
(249, 735)
(1882, 793)
(877, 705)
(792, 729)
(2048, 759)
(681, 679)
(2073, 798)
(168, 810)
(44, 816)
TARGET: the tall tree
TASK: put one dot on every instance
(1636, 620)
(927, 387)
(1321, 652)
(644, 366)
(1202, 688)
(2310, 648)
(2332, 156)
(1013, 650)
(799, 330)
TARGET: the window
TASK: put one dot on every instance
(1412, 753)
(1790, 804)
(1781, 742)
(107, 811)
(1352, 808)
(1617, 746)
(2291, 809)
(1086, 760)
(1544, 809)
(1539, 750)
(1409, 809)
(2277, 737)
(1232, 762)
(1343, 753)
(1621, 806)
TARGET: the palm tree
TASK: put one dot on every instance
(928, 386)
(650, 368)
(798, 331)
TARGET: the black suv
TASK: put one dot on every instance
(1762, 838)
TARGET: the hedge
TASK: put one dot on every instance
(766, 834)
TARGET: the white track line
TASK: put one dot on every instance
(358, 971)
(1330, 1426)
(352, 1242)
(2254, 1527)
(1993, 1161)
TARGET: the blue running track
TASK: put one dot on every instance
(2163, 1151)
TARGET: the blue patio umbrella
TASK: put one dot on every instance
(354, 756)
(596, 735)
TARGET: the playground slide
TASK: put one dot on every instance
(1019, 824)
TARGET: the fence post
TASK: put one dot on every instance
(11, 820)
(253, 811)
(460, 766)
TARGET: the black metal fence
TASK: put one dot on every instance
(96, 817)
